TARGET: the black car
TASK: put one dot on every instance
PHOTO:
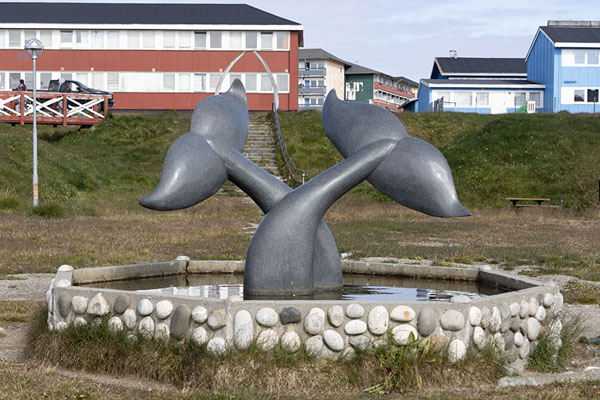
(70, 86)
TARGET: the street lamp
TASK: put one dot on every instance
(34, 48)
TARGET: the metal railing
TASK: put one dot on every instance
(311, 90)
(311, 72)
(293, 172)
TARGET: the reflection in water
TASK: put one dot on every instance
(356, 287)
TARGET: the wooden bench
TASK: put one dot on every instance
(515, 200)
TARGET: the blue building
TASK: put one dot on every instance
(479, 85)
(564, 55)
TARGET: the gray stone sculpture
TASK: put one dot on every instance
(293, 251)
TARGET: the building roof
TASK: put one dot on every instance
(356, 69)
(573, 31)
(138, 13)
(482, 83)
(319, 54)
(481, 66)
(405, 79)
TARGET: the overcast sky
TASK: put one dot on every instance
(401, 37)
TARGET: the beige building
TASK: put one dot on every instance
(318, 73)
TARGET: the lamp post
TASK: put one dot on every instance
(34, 48)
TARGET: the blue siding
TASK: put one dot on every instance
(541, 68)
(424, 96)
(577, 77)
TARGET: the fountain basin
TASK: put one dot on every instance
(327, 328)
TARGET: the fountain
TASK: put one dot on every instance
(293, 276)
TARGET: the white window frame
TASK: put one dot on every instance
(168, 82)
(112, 81)
(200, 80)
(148, 39)
(64, 43)
(265, 43)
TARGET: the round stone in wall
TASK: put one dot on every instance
(524, 349)
(290, 341)
(334, 340)
(486, 315)
(474, 316)
(79, 304)
(314, 323)
(359, 342)
(355, 311)
(452, 320)
(290, 315)
(427, 321)
(533, 328)
(313, 345)
(509, 339)
(145, 307)
(355, 327)
(146, 327)
(403, 314)
(121, 304)
(60, 326)
(80, 321)
(495, 320)
(130, 318)
(519, 339)
(348, 353)
(243, 330)
(267, 339)
(505, 312)
(63, 283)
(514, 324)
(533, 306)
(524, 309)
(182, 258)
(216, 320)
(162, 331)
(514, 309)
(335, 315)
(558, 302)
(479, 337)
(401, 334)
(216, 346)
(115, 324)
(267, 317)
(523, 327)
(378, 320)
(164, 308)
(199, 336)
(548, 300)
(64, 304)
(98, 306)
(65, 268)
(457, 350)
(180, 321)
(540, 315)
(199, 314)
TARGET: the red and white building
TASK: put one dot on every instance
(152, 56)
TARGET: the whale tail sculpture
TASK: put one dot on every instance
(293, 251)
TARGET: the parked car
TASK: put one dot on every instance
(70, 86)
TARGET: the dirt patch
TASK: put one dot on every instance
(14, 343)
(27, 287)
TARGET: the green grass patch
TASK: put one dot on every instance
(554, 347)
(48, 211)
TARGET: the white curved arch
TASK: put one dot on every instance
(224, 74)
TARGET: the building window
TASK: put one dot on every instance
(2, 34)
(235, 40)
(185, 41)
(97, 39)
(184, 82)
(536, 97)
(233, 77)
(81, 38)
(169, 38)
(112, 81)
(579, 57)
(200, 40)
(579, 95)
(463, 99)
(98, 78)
(282, 40)
(2, 81)
(214, 80)
(29, 35)
(13, 79)
(44, 79)
(200, 82)
(251, 82)
(483, 99)
(133, 39)
(169, 82)
(82, 77)
(251, 40)
(66, 76)
(66, 38)
(592, 95)
(148, 38)
(520, 99)
(265, 83)
(266, 40)
(282, 83)
(592, 57)
(29, 80)
(14, 38)
(215, 39)
(113, 39)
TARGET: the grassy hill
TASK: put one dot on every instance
(491, 156)
(84, 172)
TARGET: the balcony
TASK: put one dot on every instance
(311, 90)
(393, 90)
(313, 72)
(302, 107)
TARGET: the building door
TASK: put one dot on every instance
(498, 102)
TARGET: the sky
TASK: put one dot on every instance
(402, 37)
